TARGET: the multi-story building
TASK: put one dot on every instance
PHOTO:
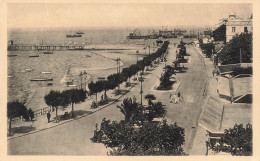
(236, 25)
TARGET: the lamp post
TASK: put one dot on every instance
(141, 90)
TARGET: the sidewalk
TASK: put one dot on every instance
(199, 145)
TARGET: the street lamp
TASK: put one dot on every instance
(141, 90)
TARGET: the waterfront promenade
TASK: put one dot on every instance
(72, 137)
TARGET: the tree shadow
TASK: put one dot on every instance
(81, 112)
(22, 129)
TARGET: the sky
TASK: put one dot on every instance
(29, 15)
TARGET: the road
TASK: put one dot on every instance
(73, 138)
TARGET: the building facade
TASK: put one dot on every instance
(236, 25)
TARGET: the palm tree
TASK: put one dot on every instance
(131, 110)
(150, 97)
(155, 110)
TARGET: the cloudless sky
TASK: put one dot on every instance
(120, 15)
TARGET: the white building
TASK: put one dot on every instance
(236, 25)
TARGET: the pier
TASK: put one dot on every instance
(42, 47)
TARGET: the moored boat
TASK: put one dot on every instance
(47, 52)
(46, 72)
(74, 35)
(42, 79)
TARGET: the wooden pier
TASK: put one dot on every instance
(42, 47)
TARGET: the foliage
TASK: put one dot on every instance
(230, 54)
(247, 70)
(115, 79)
(155, 110)
(149, 139)
(16, 109)
(165, 80)
(74, 96)
(208, 49)
(133, 111)
(237, 140)
(149, 97)
(220, 33)
(55, 99)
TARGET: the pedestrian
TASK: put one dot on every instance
(48, 116)
(134, 99)
(171, 98)
(179, 95)
(213, 72)
(175, 98)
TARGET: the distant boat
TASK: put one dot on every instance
(33, 55)
(11, 55)
(80, 33)
(47, 52)
(46, 72)
(42, 79)
(74, 35)
(28, 70)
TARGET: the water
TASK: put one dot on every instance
(96, 63)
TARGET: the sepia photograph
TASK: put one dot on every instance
(129, 79)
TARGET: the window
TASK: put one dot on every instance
(233, 29)
(245, 29)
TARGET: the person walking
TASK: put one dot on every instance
(175, 98)
(179, 95)
(171, 98)
(48, 116)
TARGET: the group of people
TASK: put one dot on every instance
(175, 97)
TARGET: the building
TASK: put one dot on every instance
(236, 25)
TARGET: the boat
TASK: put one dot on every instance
(10, 76)
(42, 79)
(28, 70)
(47, 52)
(80, 33)
(46, 72)
(74, 35)
(11, 55)
(33, 55)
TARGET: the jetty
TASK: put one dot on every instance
(28, 47)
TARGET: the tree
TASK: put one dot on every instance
(230, 54)
(132, 110)
(220, 33)
(236, 141)
(149, 139)
(75, 96)
(15, 109)
(149, 97)
(155, 110)
(54, 99)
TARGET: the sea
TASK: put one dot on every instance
(62, 64)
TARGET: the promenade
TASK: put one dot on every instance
(71, 137)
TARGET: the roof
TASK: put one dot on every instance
(240, 23)
(222, 69)
(227, 68)
(236, 114)
(211, 115)
(216, 117)
(242, 86)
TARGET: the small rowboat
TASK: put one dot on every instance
(11, 55)
(34, 56)
(28, 70)
(42, 79)
(47, 52)
(46, 72)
